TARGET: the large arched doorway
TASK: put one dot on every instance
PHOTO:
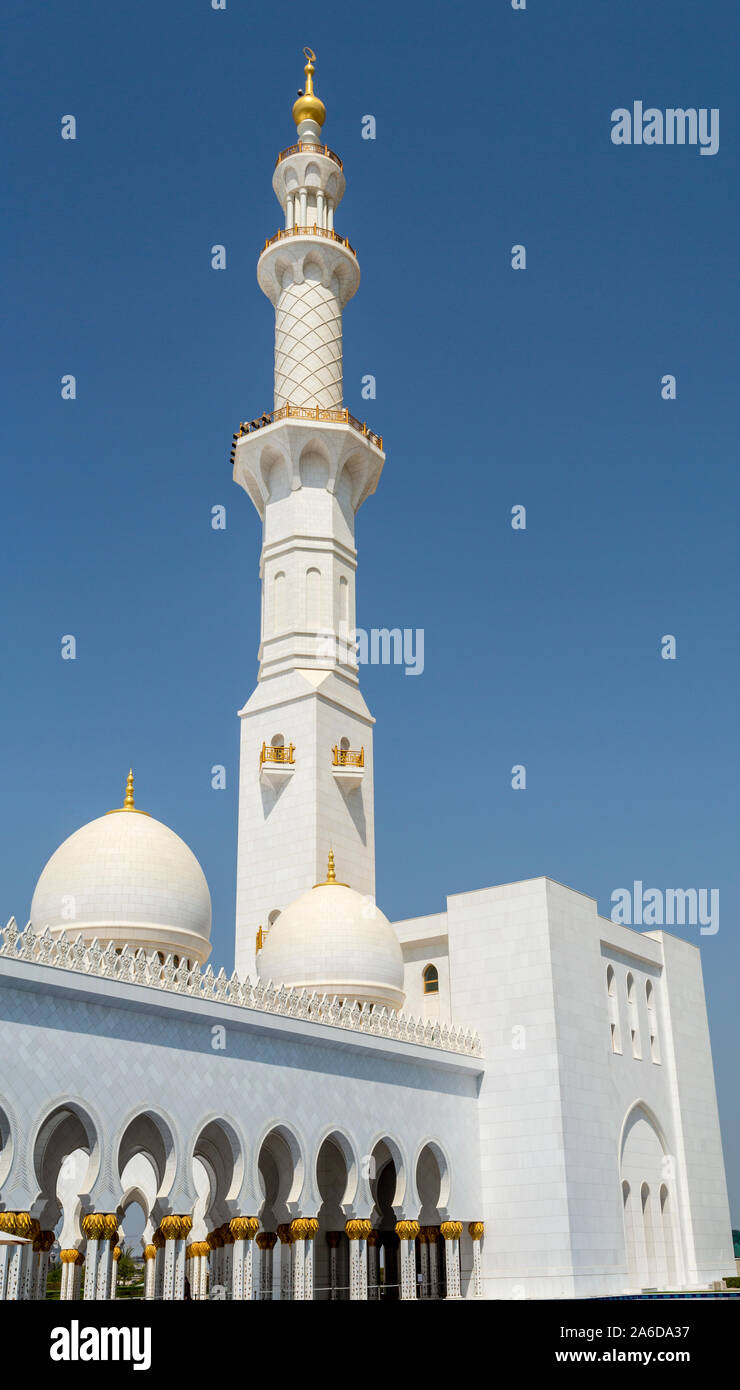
(651, 1232)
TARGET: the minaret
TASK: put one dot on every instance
(306, 759)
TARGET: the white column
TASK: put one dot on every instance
(308, 1258)
(424, 1253)
(159, 1242)
(77, 1275)
(407, 1231)
(204, 1259)
(150, 1269)
(42, 1273)
(16, 1265)
(330, 214)
(105, 1260)
(266, 1241)
(297, 1255)
(320, 219)
(451, 1232)
(93, 1226)
(286, 1282)
(433, 1240)
(303, 196)
(4, 1252)
(289, 211)
(372, 1266)
(181, 1246)
(475, 1231)
(332, 1240)
(115, 1257)
(358, 1232)
(170, 1228)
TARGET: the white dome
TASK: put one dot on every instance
(129, 879)
(335, 941)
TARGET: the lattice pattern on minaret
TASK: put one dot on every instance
(308, 347)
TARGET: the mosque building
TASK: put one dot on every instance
(511, 1098)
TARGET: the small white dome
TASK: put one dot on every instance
(129, 879)
(337, 942)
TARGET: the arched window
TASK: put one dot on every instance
(633, 1017)
(313, 598)
(343, 601)
(652, 1021)
(431, 979)
(614, 1029)
(279, 602)
(344, 744)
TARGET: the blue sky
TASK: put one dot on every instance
(494, 388)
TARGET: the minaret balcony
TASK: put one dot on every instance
(340, 416)
(348, 767)
(303, 148)
(311, 229)
(277, 764)
(287, 431)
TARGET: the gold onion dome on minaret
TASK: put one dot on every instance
(309, 107)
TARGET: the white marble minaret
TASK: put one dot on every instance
(306, 761)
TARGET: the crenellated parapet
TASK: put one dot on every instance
(140, 968)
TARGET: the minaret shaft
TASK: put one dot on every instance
(306, 764)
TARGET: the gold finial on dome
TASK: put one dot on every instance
(309, 107)
(331, 876)
(128, 800)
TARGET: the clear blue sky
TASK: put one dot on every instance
(494, 388)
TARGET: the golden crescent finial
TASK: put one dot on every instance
(309, 107)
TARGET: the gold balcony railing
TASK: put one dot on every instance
(310, 230)
(348, 757)
(305, 412)
(302, 148)
(277, 753)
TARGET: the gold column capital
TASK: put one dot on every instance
(244, 1227)
(150, 1252)
(117, 1253)
(170, 1227)
(372, 1238)
(284, 1233)
(304, 1227)
(407, 1230)
(7, 1222)
(186, 1226)
(92, 1225)
(333, 1238)
(475, 1230)
(451, 1230)
(215, 1241)
(158, 1240)
(358, 1230)
(266, 1240)
(68, 1257)
(432, 1234)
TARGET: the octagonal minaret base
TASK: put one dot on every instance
(306, 755)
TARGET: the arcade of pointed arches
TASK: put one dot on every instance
(406, 1247)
